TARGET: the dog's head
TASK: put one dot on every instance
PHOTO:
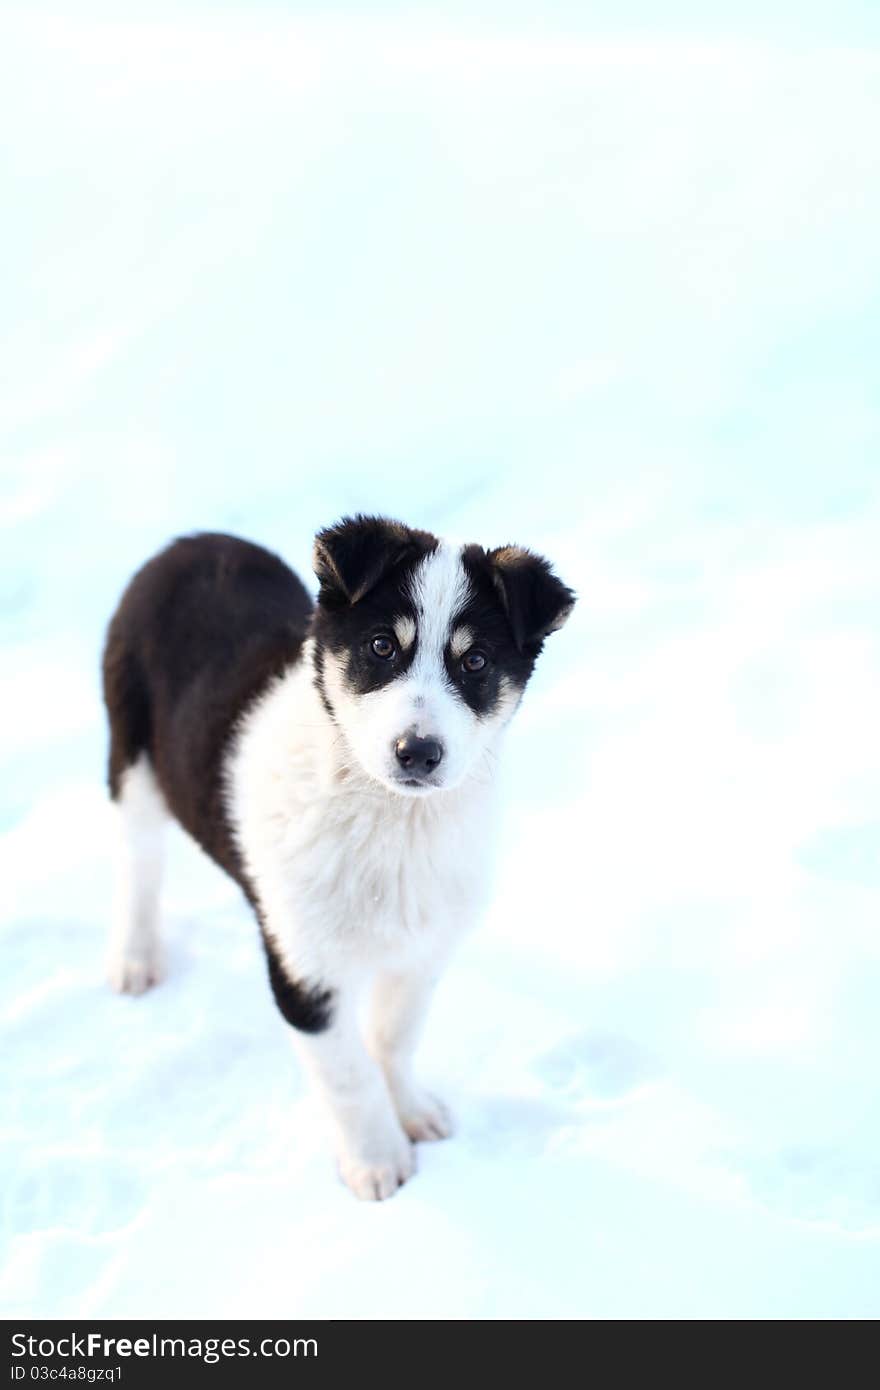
(423, 650)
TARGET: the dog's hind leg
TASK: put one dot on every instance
(135, 957)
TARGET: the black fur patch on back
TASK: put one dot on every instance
(198, 635)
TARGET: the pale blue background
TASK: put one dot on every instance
(596, 283)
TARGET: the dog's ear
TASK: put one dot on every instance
(536, 602)
(351, 557)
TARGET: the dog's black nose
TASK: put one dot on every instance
(419, 756)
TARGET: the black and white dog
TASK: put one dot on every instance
(337, 760)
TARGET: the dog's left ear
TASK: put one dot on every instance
(536, 602)
(351, 557)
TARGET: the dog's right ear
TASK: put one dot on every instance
(351, 557)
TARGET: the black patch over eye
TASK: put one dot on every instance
(474, 663)
(383, 647)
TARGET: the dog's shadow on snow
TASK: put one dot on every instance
(596, 1065)
(570, 1085)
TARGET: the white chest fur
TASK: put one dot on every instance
(350, 876)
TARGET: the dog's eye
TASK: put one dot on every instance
(383, 647)
(473, 663)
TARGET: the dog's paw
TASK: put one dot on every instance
(135, 973)
(425, 1118)
(374, 1179)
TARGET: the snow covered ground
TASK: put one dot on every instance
(609, 293)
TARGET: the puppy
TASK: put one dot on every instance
(337, 760)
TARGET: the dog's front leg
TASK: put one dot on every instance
(399, 1005)
(375, 1155)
